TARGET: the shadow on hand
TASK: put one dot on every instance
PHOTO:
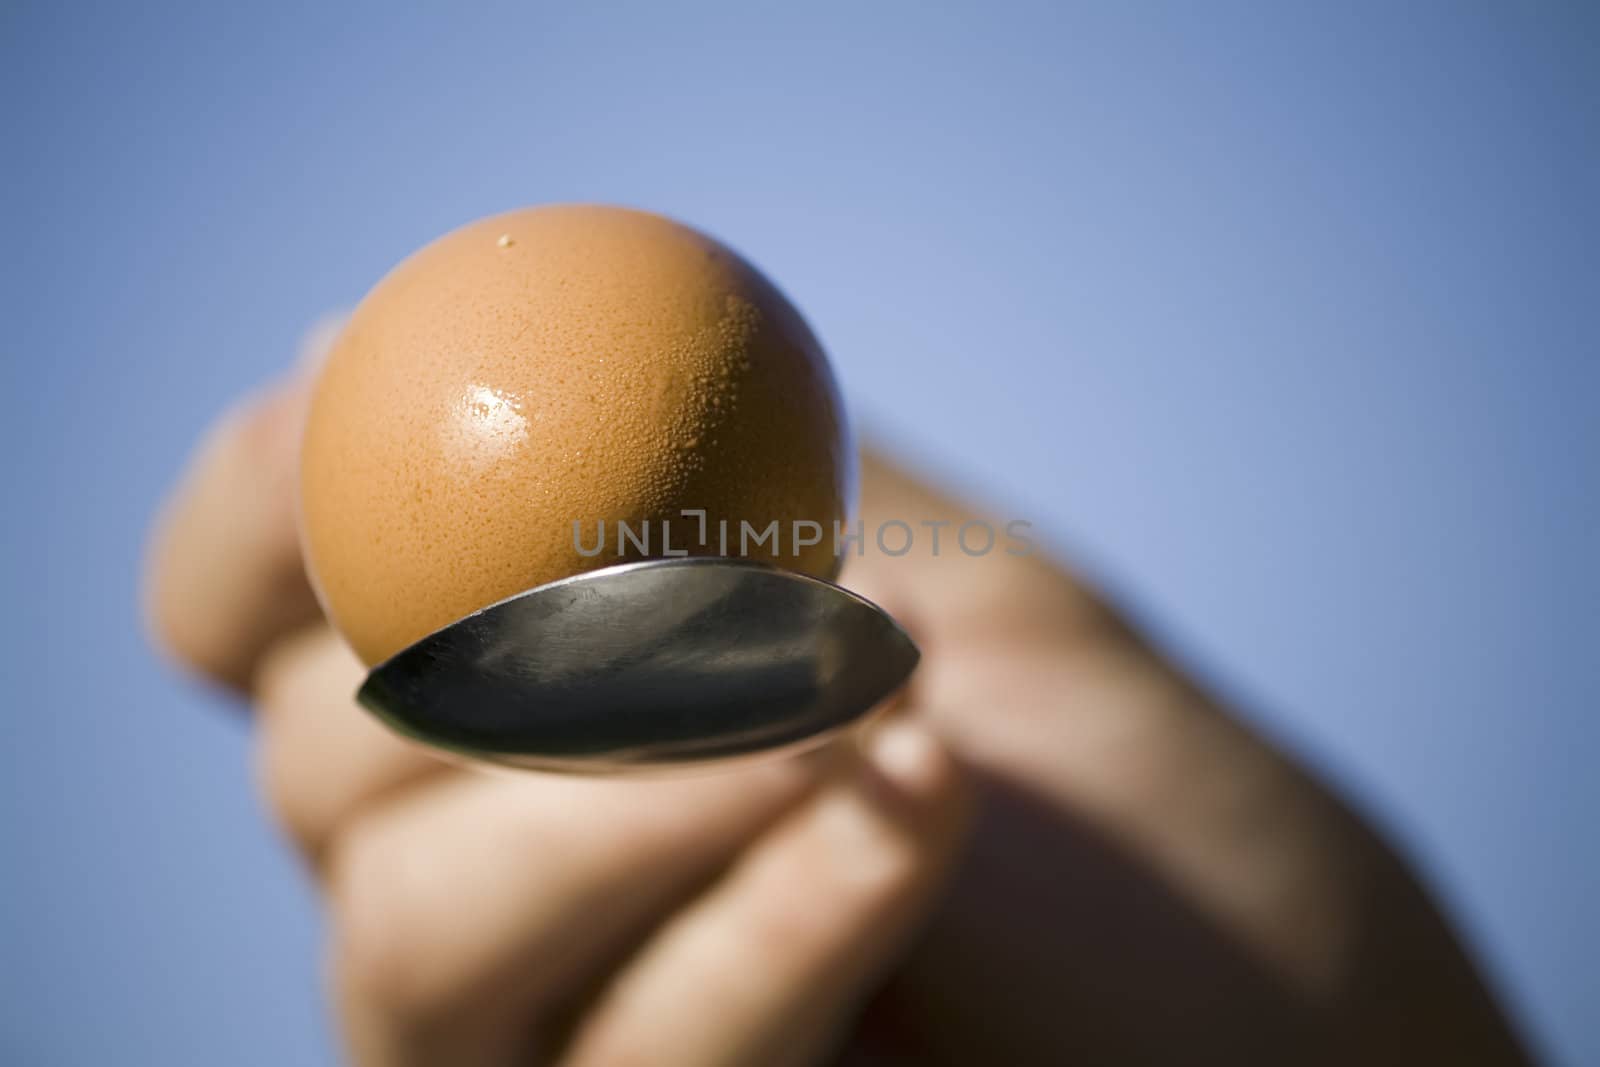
(1057, 945)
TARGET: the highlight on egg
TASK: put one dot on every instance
(521, 381)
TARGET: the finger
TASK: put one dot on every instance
(989, 566)
(464, 907)
(767, 966)
(321, 758)
(224, 575)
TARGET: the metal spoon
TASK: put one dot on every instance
(646, 664)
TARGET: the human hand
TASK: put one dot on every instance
(735, 917)
(1147, 880)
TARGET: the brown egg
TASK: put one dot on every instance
(552, 366)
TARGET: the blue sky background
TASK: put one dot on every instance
(1282, 318)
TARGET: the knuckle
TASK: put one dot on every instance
(222, 563)
(280, 785)
(379, 951)
(866, 861)
(876, 886)
(843, 899)
(783, 932)
(169, 618)
(279, 759)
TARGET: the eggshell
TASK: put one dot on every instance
(550, 366)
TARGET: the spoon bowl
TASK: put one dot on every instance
(650, 664)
